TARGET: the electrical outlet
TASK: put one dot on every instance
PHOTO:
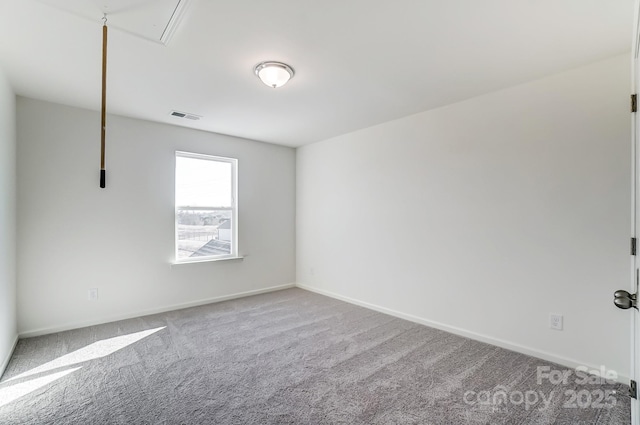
(555, 321)
(93, 294)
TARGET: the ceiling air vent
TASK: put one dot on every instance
(185, 115)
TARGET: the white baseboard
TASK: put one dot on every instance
(76, 325)
(5, 362)
(543, 355)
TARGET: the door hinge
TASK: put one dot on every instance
(633, 246)
(634, 102)
(633, 389)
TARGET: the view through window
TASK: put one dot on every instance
(205, 207)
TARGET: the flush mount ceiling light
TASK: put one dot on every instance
(274, 74)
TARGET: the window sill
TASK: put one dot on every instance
(207, 260)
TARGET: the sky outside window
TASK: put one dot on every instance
(203, 183)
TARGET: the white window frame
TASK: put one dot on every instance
(233, 208)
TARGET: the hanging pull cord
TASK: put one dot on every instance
(103, 117)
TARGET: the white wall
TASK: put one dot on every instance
(484, 216)
(8, 330)
(74, 236)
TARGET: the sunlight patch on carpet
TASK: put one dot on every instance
(91, 352)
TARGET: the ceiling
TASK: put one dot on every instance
(358, 62)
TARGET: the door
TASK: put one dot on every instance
(635, 222)
(624, 299)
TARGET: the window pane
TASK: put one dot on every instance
(204, 233)
(203, 183)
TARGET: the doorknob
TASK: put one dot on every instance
(624, 300)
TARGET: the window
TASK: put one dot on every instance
(206, 207)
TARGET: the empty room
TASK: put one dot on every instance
(302, 212)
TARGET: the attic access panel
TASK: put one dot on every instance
(153, 20)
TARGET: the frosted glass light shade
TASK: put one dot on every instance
(274, 74)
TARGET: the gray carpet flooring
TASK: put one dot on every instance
(289, 357)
